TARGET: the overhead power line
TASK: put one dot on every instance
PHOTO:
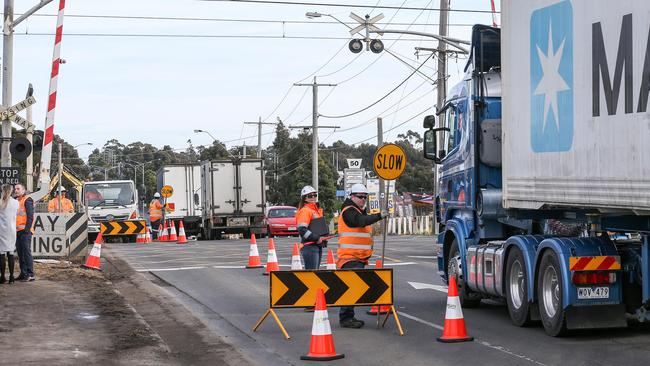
(250, 36)
(230, 20)
(352, 5)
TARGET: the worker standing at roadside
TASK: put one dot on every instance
(355, 241)
(311, 227)
(155, 213)
(66, 204)
(24, 231)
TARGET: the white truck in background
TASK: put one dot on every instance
(109, 201)
(233, 197)
(185, 202)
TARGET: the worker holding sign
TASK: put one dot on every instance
(355, 241)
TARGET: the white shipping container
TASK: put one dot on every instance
(234, 189)
(576, 128)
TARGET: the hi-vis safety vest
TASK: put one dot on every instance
(21, 215)
(305, 215)
(66, 204)
(355, 243)
(155, 210)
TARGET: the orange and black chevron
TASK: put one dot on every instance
(597, 263)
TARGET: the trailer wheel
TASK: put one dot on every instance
(549, 294)
(517, 289)
(468, 299)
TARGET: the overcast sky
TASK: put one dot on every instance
(137, 83)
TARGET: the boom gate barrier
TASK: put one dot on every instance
(352, 287)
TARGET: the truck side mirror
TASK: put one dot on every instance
(429, 122)
(196, 199)
(430, 143)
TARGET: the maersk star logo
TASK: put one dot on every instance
(551, 78)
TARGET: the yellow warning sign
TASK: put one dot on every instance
(389, 161)
(166, 191)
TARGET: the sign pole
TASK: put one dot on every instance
(385, 224)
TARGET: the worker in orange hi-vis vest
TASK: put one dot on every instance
(355, 241)
(66, 204)
(24, 231)
(311, 227)
(155, 214)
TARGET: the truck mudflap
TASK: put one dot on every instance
(598, 316)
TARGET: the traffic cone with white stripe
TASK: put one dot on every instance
(182, 239)
(296, 263)
(321, 347)
(140, 238)
(271, 259)
(383, 309)
(254, 255)
(454, 330)
(93, 259)
(330, 260)
(162, 234)
(147, 236)
(172, 231)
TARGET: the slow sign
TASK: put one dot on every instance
(389, 161)
(167, 191)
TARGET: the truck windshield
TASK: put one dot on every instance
(108, 194)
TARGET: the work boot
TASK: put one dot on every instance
(11, 279)
(351, 323)
(2, 279)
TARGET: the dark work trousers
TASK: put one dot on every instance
(347, 312)
(24, 250)
(154, 229)
(311, 256)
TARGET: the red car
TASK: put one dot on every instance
(281, 220)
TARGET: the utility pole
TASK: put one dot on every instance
(380, 141)
(29, 179)
(259, 124)
(7, 69)
(314, 127)
(442, 86)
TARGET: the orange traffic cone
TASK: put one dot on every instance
(330, 260)
(182, 239)
(296, 263)
(147, 236)
(162, 235)
(93, 259)
(384, 309)
(172, 231)
(321, 347)
(139, 239)
(271, 259)
(253, 255)
(454, 330)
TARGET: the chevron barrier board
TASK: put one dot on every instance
(123, 227)
(353, 287)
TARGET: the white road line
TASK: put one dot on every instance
(422, 256)
(167, 269)
(399, 264)
(229, 267)
(484, 343)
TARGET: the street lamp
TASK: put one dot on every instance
(215, 140)
(85, 143)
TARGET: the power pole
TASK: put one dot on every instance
(259, 124)
(442, 85)
(7, 70)
(380, 141)
(314, 139)
(29, 179)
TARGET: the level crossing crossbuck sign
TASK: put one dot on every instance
(13, 110)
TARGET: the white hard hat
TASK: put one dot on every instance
(63, 189)
(307, 190)
(358, 188)
(156, 195)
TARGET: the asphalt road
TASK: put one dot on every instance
(209, 278)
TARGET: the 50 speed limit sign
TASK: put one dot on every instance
(389, 161)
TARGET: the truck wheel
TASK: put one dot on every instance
(517, 289)
(468, 299)
(549, 295)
